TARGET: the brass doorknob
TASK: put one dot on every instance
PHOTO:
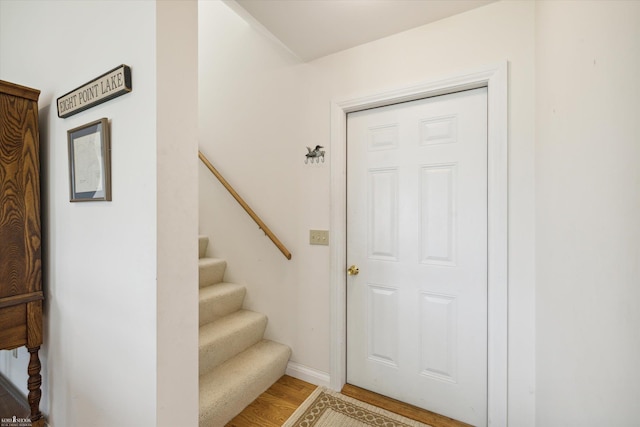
(353, 270)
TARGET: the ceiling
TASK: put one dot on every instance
(315, 28)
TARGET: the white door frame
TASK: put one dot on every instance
(494, 78)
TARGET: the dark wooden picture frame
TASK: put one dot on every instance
(90, 162)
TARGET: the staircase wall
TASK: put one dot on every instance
(293, 294)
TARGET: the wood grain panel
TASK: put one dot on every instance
(20, 299)
(19, 91)
(20, 259)
(13, 333)
(34, 320)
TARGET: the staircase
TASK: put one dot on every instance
(236, 363)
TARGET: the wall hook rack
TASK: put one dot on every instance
(316, 155)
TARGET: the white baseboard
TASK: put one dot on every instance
(308, 374)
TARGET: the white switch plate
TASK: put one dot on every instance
(319, 237)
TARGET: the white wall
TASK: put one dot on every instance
(260, 108)
(497, 32)
(100, 362)
(253, 128)
(502, 31)
(587, 213)
(177, 212)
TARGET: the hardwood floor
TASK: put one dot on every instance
(11, 403)
(401, 408)
(273, 407)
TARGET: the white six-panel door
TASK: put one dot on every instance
(417, 231)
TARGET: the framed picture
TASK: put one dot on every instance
(90, 162)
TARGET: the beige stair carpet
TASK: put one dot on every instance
(236, 363)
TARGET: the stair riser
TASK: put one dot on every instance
(214, 308)
(230, 342)
(211, 272)
(203, 243)
(233, 386)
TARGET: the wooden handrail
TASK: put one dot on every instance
(245, 206)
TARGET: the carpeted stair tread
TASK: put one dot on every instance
(231, 386)
(203, 242)
(211, 271)
(218, 300)
(228, 336)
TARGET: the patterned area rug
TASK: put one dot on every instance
(326, 408)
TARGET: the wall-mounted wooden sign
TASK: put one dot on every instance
(110, 85)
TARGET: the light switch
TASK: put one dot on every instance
(319, 237)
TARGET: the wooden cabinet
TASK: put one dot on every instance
(20, 233)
